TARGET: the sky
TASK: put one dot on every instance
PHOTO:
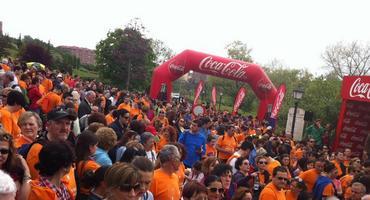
(293, 32)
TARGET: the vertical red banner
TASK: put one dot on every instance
(198, 90)
(239, 99)
(214, 95)
(278, 102)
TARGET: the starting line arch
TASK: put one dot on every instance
(215, 66)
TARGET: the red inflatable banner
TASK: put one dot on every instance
(214, 96)
(354, 118)
(215, 66)
(239, 99)
(278, 101)
(198, 90)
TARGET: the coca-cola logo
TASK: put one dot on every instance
(177, 69)
(345, 144)
(239, 100)
(359, 89)
(357, 138)
(264, 85)
(231, 69)
(279, 101)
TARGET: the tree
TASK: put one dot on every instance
(348, 59)
(161, 51)
(239, 51)
(4, 44)
(36, 53)
(125, 58)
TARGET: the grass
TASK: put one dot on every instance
(84, 73)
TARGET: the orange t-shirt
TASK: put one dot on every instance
(240, 137)
(271, 192)
(109, 118)
(337, 165)
(39, 192)
(82, 168)
(22, 84)
(329, 190)
(164, 186)
(21, 140)
(51, 101)
(6, 67)
(33, 158)
(228, 143)
(345, 181)
(289, 195)
(181, 174)
(310, 178)
(161, 143)
(47, 84)
(124, 106)
(134, 112)
(271, 166)
(8, 123)
(42, 89)
(210, 150)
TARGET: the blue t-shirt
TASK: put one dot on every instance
(193, 143)
(101, 157)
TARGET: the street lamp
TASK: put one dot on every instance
(219, 103)
(297, 95)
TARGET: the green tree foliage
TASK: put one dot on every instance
(161, 51)
(36, 53)
(239, 51)
(4, 45)
(125, 58)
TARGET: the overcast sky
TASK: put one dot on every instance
(295, 32)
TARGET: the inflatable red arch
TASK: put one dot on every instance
(216, 66)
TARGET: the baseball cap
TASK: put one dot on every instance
(60, 113)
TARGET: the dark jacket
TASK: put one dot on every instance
(84, 108)
(118, 128)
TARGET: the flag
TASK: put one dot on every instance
(278, 101)
(198, 90)
(214, 95)
(239, 99)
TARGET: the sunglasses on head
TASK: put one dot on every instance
(220, 190)
(129, 188)
(4, 151)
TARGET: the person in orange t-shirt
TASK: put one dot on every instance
(274, 190)
(59, 127)
(310, 176)
(55, 161)
(47, 85)
(211, 145)
(165, 180)
(297, 189)
(338, 162)
(15, 103)
(125, 105)
(30, 123)
(226, 144)
(161, 119)
(51, 100)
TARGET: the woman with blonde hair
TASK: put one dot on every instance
(122, 182)
(30, 124)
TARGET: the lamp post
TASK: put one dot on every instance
(219, 103)
(297, 95)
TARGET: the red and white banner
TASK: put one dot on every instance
(356, 88)
(354, 119)
(278, 101)
(239, 99)
(198, 90)
(214, 95)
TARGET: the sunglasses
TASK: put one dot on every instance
(4, 151)
(262, 163)
(129, 188)
(312, 141)
(282, 179)
(5, 137)
(220, 190)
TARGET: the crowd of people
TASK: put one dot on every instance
(66, 138)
